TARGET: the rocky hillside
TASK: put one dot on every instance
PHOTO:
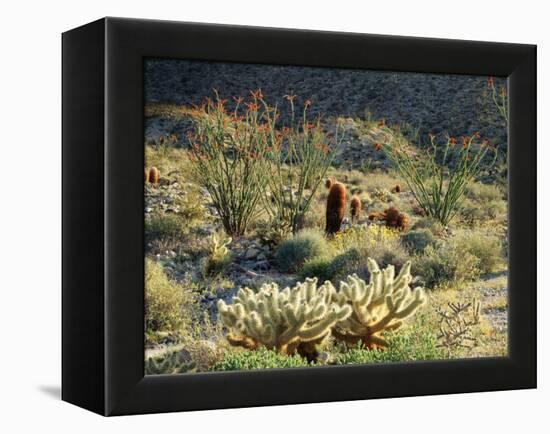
(428, 103)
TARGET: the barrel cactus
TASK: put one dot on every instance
(336, 205)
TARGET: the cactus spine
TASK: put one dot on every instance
(380, 305)
(336, 205)
(288, 320)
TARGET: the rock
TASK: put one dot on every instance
(261, 257)
(251, 253)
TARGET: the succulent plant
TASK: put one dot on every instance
(154, 175)
(336, 205)
(355, 208)
(380, 305)
(287, 321)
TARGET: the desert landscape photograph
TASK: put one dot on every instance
(298, 217)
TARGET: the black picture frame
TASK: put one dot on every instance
(103, 260)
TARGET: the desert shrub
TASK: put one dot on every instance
(332, 269)
(261, 358)
(320, 267)
(417, 342)
(358, 243)
(191, 208)
(168, 305)
(417, 240)
(295, 251)
(486, 248)
(383, 195)
(473, 212)
(438, 178)
(446, 262)
(434, 226)
(483, 193)
(165, 227)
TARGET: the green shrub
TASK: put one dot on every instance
(168, 306)
(417, 342)
(358, 243)
(417, 240)
(446, 262)
(473, 212)
(166, 227)
(295, 251)
(317, 267)
(483, 193)
(430, 224)
(333, 269)
(486, 248)
(261, 358)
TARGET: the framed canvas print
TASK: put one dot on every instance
(263, 216)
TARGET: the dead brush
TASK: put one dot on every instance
(456, 325)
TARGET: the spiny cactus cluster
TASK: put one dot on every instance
(380, 305)
(336, 206)
(288, 320)
(297, 319)
(392, 217)
(173, 363)
(152, 175)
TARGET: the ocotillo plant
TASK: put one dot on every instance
(229, 156)
(301, 155)
(355, 208)
(438, 178)
(336, 205)
(380, 305)
(288, 320)
(500, 98)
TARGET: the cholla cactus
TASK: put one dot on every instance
(218, 246)
(172, 363)
(288, 320)
(380, 305)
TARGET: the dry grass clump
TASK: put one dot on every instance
(169, 307)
